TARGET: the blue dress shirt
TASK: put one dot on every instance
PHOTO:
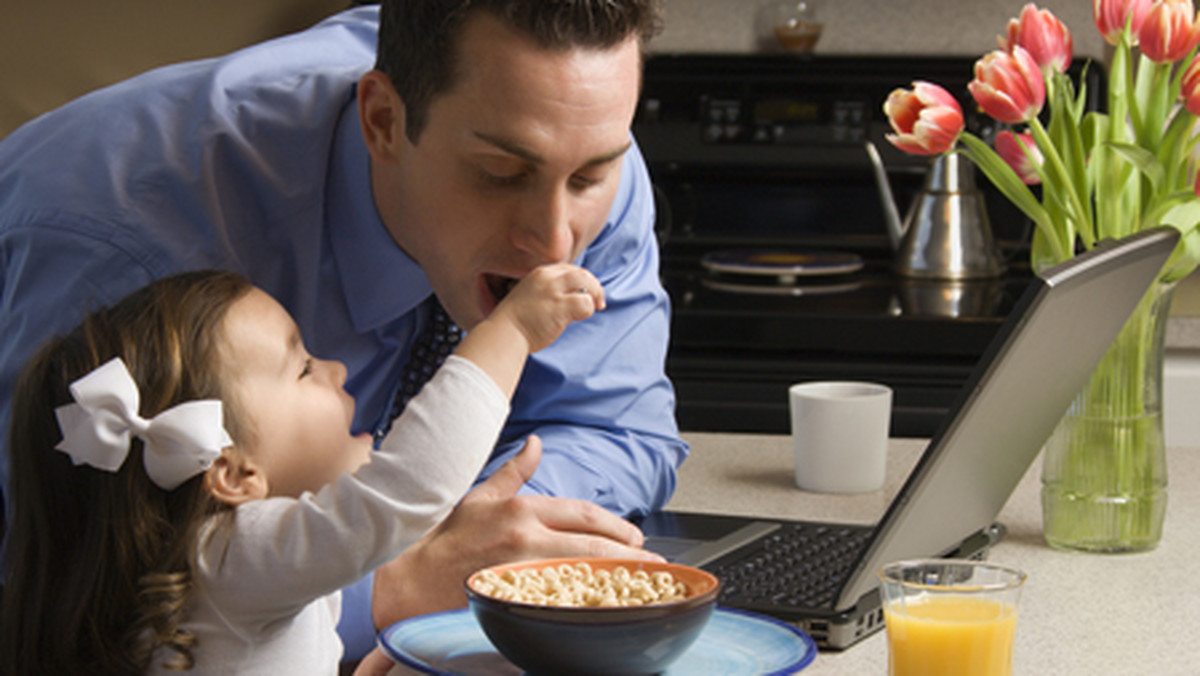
(254, 162)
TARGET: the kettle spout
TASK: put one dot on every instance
(891, 212)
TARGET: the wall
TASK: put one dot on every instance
(957, 27)
(52, 51)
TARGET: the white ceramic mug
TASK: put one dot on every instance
(840, 433)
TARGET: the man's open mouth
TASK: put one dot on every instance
(499, 285)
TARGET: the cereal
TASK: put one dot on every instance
(579, 585)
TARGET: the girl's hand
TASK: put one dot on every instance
(549, 298)
(533, 314)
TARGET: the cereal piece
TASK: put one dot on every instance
(620, 576)
(578, 585)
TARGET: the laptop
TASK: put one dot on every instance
(822, 576)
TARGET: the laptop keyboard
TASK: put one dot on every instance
(796, 566)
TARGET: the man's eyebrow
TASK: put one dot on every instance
(530, 156)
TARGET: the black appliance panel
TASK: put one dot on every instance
(767, 151)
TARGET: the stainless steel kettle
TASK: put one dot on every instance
(946, 233)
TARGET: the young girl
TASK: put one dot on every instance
(145, 539)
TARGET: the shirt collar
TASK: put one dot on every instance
(381, 282)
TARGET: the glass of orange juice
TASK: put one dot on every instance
(949, 617)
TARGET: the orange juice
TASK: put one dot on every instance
(951, 636)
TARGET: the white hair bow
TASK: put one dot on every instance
(179, 443)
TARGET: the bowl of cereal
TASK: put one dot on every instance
(592, 615)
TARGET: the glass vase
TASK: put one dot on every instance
(1104, 473)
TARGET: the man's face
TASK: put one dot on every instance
(516, 167)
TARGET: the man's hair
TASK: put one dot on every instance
(418, 39)
(98, 561)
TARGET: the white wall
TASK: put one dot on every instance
(52, 51)
(955, 27)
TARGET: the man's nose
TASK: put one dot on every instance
(544, 228)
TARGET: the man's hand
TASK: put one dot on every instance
(376, 663)
(491, 525)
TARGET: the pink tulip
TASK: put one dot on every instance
(1169, 31)
(1042, 35)
(927, 119)
(1189, 90)
(1111, 15)
(1025, 160)
(1009, 85)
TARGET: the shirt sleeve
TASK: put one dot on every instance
(356, 626)
(277, 557)
(599, 396)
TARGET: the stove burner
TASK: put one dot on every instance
(785, 286)
(786, 265)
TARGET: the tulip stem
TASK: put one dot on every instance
(1006, 180)
(1061, 177)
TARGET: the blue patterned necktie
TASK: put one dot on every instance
(435, 343)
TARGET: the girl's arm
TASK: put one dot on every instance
(282, 553)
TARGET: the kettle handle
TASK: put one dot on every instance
(891, 212)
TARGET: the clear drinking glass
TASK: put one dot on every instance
(950, 617)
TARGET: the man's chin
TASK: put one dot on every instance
(493, 289)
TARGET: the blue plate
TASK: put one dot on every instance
(734, 642)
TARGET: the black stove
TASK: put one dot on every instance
(765, 156)
(737, 344)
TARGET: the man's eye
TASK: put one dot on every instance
(307, 370)
(584, 182)
(502, 179)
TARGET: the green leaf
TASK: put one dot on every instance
(1143, 97)
(1002, 176)
(1010, 185)
(1074, 157)
(1093, 129)
(1145, 161)
(1079, 106)
(1184, 217)
(1174, 149)
(1115, 181)
(1157, 213)
(1058, 181)
(1183, 259)
(1120, 75)
(1042, 253)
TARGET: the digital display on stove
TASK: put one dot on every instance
(787, 111)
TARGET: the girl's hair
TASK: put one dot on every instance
(97, 564)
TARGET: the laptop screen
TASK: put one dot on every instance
(1022, 386)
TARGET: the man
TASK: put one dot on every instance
(494, 137)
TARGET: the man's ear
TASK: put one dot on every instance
(381, 115)
(233, 479)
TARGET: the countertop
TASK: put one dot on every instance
(1080, 613)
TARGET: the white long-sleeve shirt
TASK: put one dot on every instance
(267, 581)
